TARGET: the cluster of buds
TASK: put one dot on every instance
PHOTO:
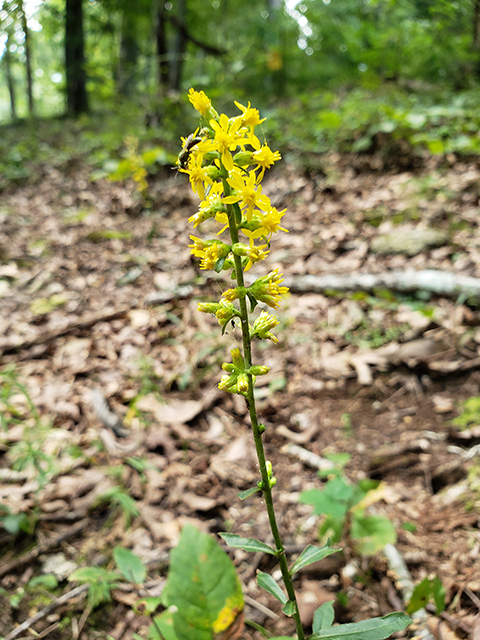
(226, 163)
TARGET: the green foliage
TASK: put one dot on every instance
(470, 413)
(100, 583)
(428, 589)
(203, 587)
(340, 502)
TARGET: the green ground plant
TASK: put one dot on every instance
(226, 163)
(470, 413)
(342, 504)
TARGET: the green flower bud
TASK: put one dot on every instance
(259, 370)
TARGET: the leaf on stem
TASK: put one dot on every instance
(289, 609)
(310, 555)
(268, 583)
(373, 629)
(248, 492)
(247, 544)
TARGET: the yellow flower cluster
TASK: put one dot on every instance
(226, 162)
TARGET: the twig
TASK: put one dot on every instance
(404, 583)
(46, 611)
(257, 605)
(42, 548)
(308, 457)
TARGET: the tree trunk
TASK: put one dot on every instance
(10, 82)
(179, 47)
(476, 36)
(28, 58)
(128, 54)
(162, 48)
(77, 101)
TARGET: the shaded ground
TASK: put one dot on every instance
(98, 294)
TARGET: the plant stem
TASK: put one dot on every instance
(257, 432)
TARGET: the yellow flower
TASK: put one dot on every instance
(211, 206)
(268, 224)
(255, 254)
(250, 117)
(227, 138)
(210, 251)
(263, 156)
(247, 193)
(267, 289)
(263, 325)
(200, 101)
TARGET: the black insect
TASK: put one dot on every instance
(184, 154)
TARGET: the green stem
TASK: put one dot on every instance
(257, 432)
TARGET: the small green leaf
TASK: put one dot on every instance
(266, 581)
(47, 581)
(371, 533)
(129, 565)
(323, 617)
(289, 609)
(373, 629)
(310, 555)
(423, 592)
(247, 544)
(248, 492)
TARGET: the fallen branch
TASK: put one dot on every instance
(441, 283)
(46, 611)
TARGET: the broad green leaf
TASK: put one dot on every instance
(129, 565)
(203, 585)
(371, 533)
(289, 609)
(311, 554)
(373, 629)
(268, 583)
(323, 617)
(248, 492)
(332, 528)
(247, 544)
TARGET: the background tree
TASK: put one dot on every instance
(77, 101)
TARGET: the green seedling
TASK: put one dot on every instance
(341, 504)
(427, 590)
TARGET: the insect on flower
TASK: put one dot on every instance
(188, 145)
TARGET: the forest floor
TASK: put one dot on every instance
(99, 294)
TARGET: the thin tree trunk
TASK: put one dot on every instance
(179, 48)
(162, 49)
(476, 35)
(77, 100)
(10, 82)
(128, 54)
(28, 58)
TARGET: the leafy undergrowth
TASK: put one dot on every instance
(99, 303)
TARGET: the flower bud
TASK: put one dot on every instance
(258, 370)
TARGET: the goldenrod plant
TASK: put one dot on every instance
(226, 163)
